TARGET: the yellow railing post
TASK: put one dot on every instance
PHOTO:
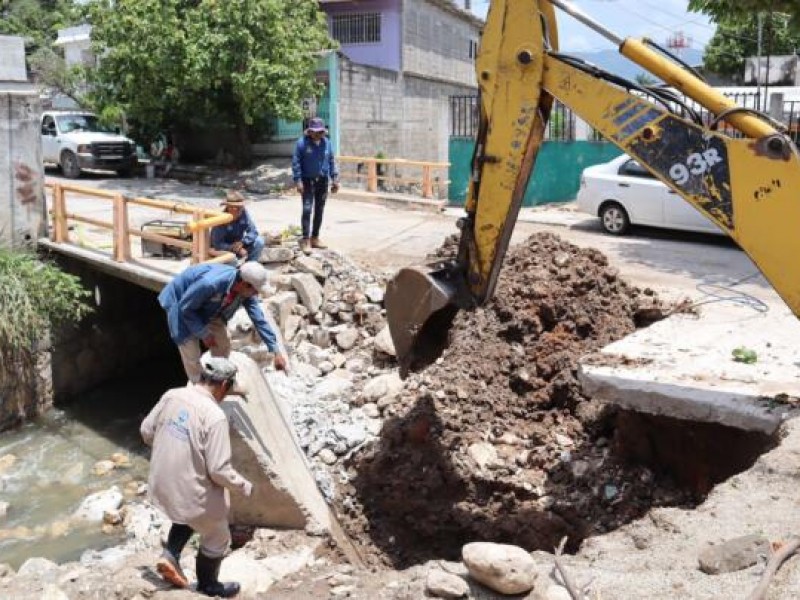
(200, 240)
(372, 175)
(427, 182)
(60, 232)
(122, 238)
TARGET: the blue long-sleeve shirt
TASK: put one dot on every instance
(195, 296)
(243, 229)
(312, 160)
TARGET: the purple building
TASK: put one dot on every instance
(399, 62)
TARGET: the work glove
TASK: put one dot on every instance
(299, 187)
(334, 187)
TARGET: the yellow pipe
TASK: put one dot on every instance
(220, 219)
(693, 87)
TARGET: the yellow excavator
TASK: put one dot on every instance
(748, 184)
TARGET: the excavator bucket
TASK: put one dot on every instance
(420, 306)
(514, 108)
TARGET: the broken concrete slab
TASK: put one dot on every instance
(266, 452)
(684, 367)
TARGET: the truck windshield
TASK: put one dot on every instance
(68, 123)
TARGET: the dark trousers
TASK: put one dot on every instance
(315, 192)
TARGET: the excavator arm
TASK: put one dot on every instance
(748, 185)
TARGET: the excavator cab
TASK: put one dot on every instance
(746, 184)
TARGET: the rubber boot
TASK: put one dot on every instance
(208, 578)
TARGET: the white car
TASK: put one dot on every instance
(622, 193)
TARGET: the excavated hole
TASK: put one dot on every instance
(496, 441)
(648, 461)
(696, 455)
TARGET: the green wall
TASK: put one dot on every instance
(556, 175)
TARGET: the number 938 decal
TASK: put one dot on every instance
(697, 163)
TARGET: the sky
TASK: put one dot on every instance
(656, 19)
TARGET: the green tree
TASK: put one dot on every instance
(735, 40)
(36, 21)
(733, 10)
(189, 63)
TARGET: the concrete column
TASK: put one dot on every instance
(22, 202)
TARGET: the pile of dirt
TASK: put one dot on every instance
(495, 441)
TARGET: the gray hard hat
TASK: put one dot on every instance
(217, 368)
(253, 273)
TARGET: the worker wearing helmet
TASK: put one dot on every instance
(190, 469)
(201, 300)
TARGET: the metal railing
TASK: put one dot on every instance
(791, 116)
(391, 174)
(122, 232)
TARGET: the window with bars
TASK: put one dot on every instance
(360, 28)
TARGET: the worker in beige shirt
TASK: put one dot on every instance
(190, 473)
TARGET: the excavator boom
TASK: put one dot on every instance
(747, 185)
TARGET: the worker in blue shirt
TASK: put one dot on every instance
(201, 300)
(240, 236)
(313, 168)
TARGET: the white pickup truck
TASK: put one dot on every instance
(75, 140)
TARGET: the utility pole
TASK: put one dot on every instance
(758, 58)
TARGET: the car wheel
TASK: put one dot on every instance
(614, 219)
(69, 165)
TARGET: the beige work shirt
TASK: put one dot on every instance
(190, 466)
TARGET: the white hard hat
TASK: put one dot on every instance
(254, 274)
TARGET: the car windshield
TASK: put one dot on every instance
(68, 123)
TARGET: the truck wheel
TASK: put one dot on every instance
(614, 219)
(69, 165)
(125, 172)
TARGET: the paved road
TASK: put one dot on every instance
(674, 264)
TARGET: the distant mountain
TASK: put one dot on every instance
(613, 61)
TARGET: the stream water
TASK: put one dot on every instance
(46, 467)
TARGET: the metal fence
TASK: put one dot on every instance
(464, 116)
(563, 123)
(791, 118)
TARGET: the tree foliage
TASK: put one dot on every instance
(734, 41)
(187, 63)
(36, 21)
(733, 10)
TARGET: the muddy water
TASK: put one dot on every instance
(53, 470)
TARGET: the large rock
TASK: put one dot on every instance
(382, 386)
(277, 254)
(42, 569)
(306, 264)
(281, 305)
(733, 555)
(384, 343)
(309, 290)
(347, 338)
(442, 584)
(94, 506)
(501, 567)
